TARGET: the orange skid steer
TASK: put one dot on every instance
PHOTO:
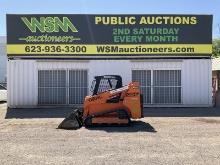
(110, 103)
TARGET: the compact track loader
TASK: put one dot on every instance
(110, 103)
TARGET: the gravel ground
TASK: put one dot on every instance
(174, 140)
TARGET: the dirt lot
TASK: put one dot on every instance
(174, 140)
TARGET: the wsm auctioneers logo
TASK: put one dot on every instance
(49, 24)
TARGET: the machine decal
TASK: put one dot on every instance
(132, 94)
(94, 98)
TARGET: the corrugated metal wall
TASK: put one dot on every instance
(22, 83)
(3, 61)
(23, 79)
(196, 76)
(196, 81)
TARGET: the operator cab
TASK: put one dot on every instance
(104, 83)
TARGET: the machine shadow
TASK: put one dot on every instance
(136, 126)
(182, 112)
(26, 113)
(62, 112)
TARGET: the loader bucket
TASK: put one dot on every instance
(73, 121)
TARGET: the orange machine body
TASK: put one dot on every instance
(110, 103)
(127, 98)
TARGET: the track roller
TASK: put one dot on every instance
(112, 117)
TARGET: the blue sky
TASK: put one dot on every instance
(111, 7)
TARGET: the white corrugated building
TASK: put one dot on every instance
(3, 59)
(165, 82)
